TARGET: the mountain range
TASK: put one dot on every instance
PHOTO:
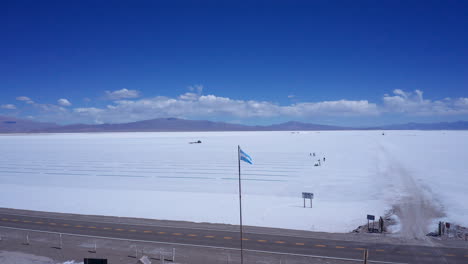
(15, 125)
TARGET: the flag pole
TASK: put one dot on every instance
(240, 206)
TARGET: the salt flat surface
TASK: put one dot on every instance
(8, 257)
(160, 175)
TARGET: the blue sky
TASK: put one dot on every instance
(254, 62)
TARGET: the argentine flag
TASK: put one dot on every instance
(244, 156)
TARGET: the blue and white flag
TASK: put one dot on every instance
(244, 156)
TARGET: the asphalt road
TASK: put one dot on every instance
(378, 253)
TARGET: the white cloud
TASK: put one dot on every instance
(196, 88)
(335, 108)
(8, 106)
(194, 94)
(54, 113)
(413, 103)
(63, 102)
(461, 103)
(400, 93)
(23, 98)
(88, 110)
(291, 96)
(122, 94)
(189, 96)
(50, 108)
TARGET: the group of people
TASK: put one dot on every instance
(317, 164)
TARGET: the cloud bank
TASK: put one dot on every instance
(191, 105)
(125, 107)
(413, 103)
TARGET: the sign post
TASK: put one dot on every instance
(306, 195)
(370, 217)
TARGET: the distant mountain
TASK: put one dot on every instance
(294, 125)
(157, 125)
(176, 124)
(14, 125)
(459, 125)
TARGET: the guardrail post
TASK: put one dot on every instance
(366, 256)
(136, 253)
(95, 248)
(27, 240)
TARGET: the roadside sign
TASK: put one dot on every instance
(306, 195)
(370, 217)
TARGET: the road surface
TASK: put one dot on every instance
(229, 239)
